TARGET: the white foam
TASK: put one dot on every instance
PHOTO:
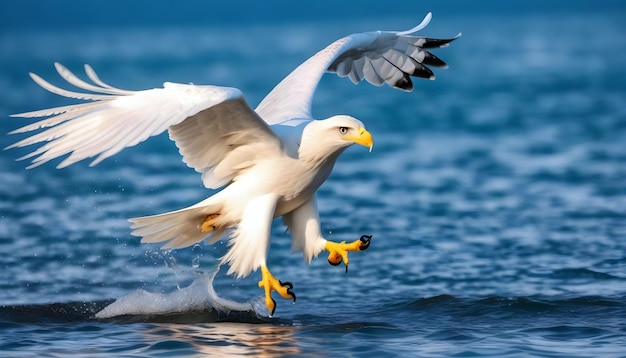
(199, 295)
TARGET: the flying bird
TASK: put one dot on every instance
(268, 162)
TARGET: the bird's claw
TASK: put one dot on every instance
(338, 251)
(270, 283)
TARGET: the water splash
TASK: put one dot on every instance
(199, 296)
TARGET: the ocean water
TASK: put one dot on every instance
(496, 197)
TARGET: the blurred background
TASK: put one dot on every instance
(496, 194)
(74, 14)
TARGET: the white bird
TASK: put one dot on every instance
(269, 162)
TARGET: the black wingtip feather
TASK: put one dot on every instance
(422, 71)
(432, 60)
(404, 83)
(437, 43)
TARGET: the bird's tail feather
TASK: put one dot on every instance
(179, 228)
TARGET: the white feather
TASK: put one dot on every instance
(181, 228)
(71, 78)
(65, 93)
(94, 77)
(420, 26)
(304, 226)
(250, 240)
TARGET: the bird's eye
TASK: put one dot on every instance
(343, 130)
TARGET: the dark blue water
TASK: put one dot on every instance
(496, 196)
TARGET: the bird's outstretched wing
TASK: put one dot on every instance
(378, 57)
(216, 131)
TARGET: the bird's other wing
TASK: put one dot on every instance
(217, 133)
(379, 57)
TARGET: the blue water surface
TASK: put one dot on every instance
(496, 196)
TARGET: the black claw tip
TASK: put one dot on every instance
(346, 268)
(289, 286)
(365, 242)
(273, 309)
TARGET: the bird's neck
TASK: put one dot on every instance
(320, 166)
(315, 159)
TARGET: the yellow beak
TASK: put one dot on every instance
(364, 138)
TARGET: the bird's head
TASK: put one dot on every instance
(333, 135)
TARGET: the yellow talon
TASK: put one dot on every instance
(270, 283)
(338, 251)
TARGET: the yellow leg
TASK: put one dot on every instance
(270, 283)
(338, 251)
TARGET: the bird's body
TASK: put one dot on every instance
(227, 207)
(268, 162)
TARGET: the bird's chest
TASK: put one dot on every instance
(300, 189)
(294, 183)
